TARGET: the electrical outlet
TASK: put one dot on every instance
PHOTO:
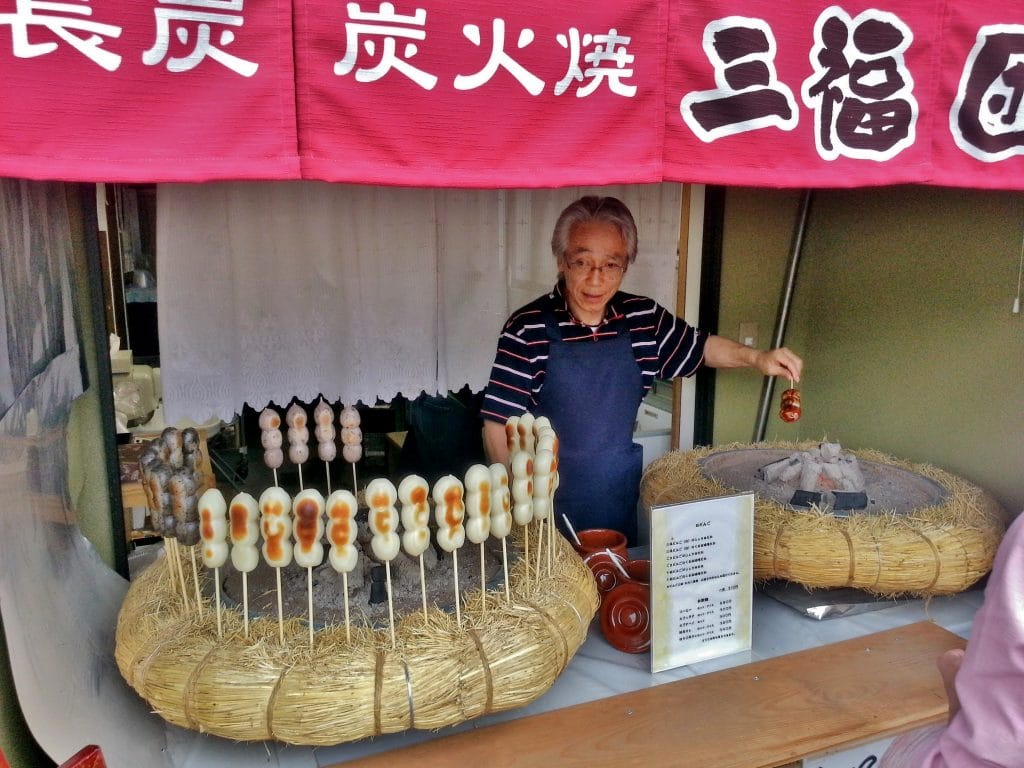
(748, 334)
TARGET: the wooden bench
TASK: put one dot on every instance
(765, 714)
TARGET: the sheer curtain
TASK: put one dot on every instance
(273, 290)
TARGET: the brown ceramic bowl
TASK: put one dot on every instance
(626, 617)
(608, 569)
(599, 539)
(639, 571)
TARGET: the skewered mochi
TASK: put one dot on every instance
(326, 450)
(298, 453)
(351, 435)
(171, 448)
(243, 515)
(512, 434)
(478, 503)
(349, 417)
(308, 509)
(182, 487)
(213, 528)
(543, 481)
(526, 436)
(342, 530)
(276, 526)
(501, 501)
(159, 499)
(449, 512)
(413, 492)
(522, 487)
(270, 439)
(269, 419)
(150, 457)
(547, 439)
(191, 455)
(323, 415)
(383, 518)
(298, 434)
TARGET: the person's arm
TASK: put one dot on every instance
(495, 442)
(720, 352)
(949, 665)
(986, 724)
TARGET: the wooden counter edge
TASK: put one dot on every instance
(764, 714)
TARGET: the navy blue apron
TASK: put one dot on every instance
(591, 393)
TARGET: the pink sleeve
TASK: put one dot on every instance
(988, 731)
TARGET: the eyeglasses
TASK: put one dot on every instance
(583, 268)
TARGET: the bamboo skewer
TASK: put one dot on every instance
(391, 608)
(195, 578)
(309, 595)
(348, 625)
(423, 590)
(280, 607)
(216, 592)
(504, 566)
(483, 583)
(245, 601)
(458, 602)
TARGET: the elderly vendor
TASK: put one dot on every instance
(585, 354)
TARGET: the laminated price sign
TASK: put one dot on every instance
(701, 579)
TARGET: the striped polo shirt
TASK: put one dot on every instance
(664, 347)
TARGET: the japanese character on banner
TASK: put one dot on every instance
(499, 58)
(986, 118)
(608, 63)
(86, 37)
(384, 29)
(749, 95)
(192, 22)
(861, 90)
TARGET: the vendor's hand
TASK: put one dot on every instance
(780, 362)
(949, 664)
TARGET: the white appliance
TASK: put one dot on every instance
(653, 427)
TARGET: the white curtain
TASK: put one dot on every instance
(274, 290)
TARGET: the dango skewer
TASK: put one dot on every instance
(527, 438)
(155, 474)
(213, 529)
(276, 526)
(341, 532)
(413, 492)
(351, 440)
(298, 438)
(325, 433)
(271, 440)
(449, 512)
(243, 516)
(170, 454)
(548, 441)
(478, 509)
(383, 520)
(541, 505)
(308, 508)
(543, 466)
(512, 435)
(501, 514)
(182, 489)
(522, 501)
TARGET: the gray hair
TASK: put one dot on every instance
(593, 208)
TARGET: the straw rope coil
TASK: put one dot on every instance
(932, 550)
(504, 655)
